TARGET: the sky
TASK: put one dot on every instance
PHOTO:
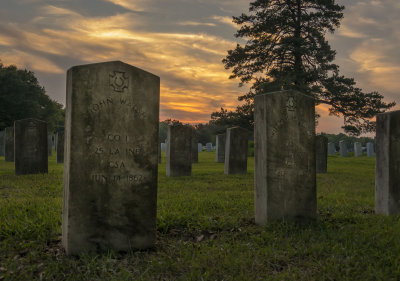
(183, 42)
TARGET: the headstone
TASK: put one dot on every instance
(49, 145)
(9, 144)
(343, 148)
(209, 147)
(2, 133)
(60, 147)
(179, 147)
(284, 143)
(236, 147)
(166, 147)
(357, 149)
(159, 154)
(387, 176)
(195, 153)
(370, 149)
(200, 147)
(163, 146)
(31, 147)
(220, 148)
(321, 153)
(331, 148)
(110, 167)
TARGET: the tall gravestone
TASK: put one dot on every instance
(166, 146)
(163, 146)
(387, 176)
(357, 149)
(284, 142)
(60, 147)
(2, 143)
(236, 146)
(343, 148)
(331, 148)
(209, 147)
(321, 153)
(9, 144)
(195, 153)
(370, 149)
(220, 148)
(31, 147)
(49, 145)
(179, 147)
(199, 147)
(110, 167)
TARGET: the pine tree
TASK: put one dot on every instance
(286, 49)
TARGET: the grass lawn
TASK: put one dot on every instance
(206, 230)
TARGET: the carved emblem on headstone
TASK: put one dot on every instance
(291, 104)
(118, 81)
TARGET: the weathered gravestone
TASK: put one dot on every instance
(2, 143)
(236, 146)
(179, 147)
(110, 168)
(30, 146)
(370, 149)
(220, 148)
(331, 148)
(357, 149)
(199, 147)
(163, 145)
(343, 148)
(195, 153)
(284, 142)
(209, 147)
(49, 145)
(9, 144)
(387, 176)
(60, 147)
(321, 153)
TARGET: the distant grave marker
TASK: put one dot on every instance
(236, 147)
(179, 147)
(220, 148)
(31, 149)
(321, 153)
(9, 144)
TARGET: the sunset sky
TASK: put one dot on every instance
(183, 42)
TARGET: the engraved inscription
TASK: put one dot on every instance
(118, 81)
(105, 179)
(291, 104)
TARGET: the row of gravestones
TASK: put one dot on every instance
(112, 150)
(358, 150)
(28, 145)
(182, 148)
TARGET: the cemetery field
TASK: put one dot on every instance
(206, 230)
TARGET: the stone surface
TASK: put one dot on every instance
(49, 145)
(195, 153)
(159, 154)
(163, 146)
(9, 144)
(179, 147)
(357, 149)
(60, 147)
(387, 175)
(284, 154)
(220, 148)
(343, 148)
(370, 149)
(209, 147)
(236, 146)
(321, 154)
(2, 133)
(110, 167)
(31, 149)
(200, 147)
(331, 148)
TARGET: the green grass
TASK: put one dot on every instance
(206, 231)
